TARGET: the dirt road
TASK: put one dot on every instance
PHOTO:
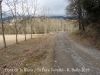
(72, 58)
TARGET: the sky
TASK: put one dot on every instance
(55, 7)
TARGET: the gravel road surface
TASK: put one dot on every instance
(72, 58)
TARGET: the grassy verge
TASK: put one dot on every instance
(28, 56)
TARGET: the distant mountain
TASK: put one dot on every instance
(10, 17)
(55, 17)
(7, 18)
(63, 17)
(72, 17)
(58, 17)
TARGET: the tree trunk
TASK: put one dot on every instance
(16, 33)
(15, 20)
(2, 26)
(83, 29)
(81, 21)
(25, 31)
(31, 31)
(31, 28)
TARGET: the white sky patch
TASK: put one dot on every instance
(56, 7)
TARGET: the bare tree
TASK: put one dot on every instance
(15, 17)
(24, 18)
(75, 8)
(34, 9)
(2, 24)
(45, 12)
(32, 12)
(13, 8)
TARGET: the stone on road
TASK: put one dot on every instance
(72, 58)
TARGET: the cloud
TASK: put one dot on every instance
(57, 7)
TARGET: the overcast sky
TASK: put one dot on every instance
(56, 7)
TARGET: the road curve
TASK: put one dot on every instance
(72, 58)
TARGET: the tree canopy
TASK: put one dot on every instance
(93, 9)
(86, 10)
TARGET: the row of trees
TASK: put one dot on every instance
(25, 22)
(18, 8)
(87, 11)
(39, 26)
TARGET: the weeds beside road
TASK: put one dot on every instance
(31, 54)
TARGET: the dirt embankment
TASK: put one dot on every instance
(88, 37)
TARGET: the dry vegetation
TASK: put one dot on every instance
(32, 54)
(35, 26)
(40, 26)
(11, 39)
(89, 37)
